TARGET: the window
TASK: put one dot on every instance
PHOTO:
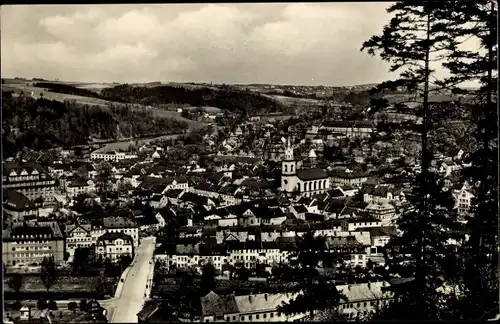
(250, 317)
(264, 316)
(271, 315)
(364, 304)
(257, 316)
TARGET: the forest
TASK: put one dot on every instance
(234, 100)
(67, 89)
(41, 123)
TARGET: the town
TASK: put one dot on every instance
(216, 202)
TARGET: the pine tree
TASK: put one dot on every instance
(480, 280)
(414, 42)
(314, 292)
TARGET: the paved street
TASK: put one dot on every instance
(131, 300)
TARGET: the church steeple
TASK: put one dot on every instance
(288, 150)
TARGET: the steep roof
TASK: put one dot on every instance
(311, 174)
(215, 305)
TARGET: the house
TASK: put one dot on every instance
(115, 245)
(364, 298)
(80, 186)
(353, 223)
(463, 199)
(346, 177)
(112, 156)
(379, 237)
(448, 167)
(29, 243)
(78, 236)
(17, 207)
(115, 225)
(245, 308)
(384, 212)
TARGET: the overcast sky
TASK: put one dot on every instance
(299, 43)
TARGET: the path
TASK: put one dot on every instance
(125, 307)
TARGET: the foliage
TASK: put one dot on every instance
(100, 285)
(48, 272)
(16, 282)
(41, 304)
(52, 305)
(84, 306)
(314, 292)
(17, 305)
(72, 306)
(207, 283)
(239, 101)
(67, 89)
(41, 123)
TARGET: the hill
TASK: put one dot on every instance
(226, 98)
(42, 123)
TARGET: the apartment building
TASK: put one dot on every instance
(79, 186)
(346, 178)
(30, 179)
(115, 225)
(114, 245)
(112, 156)
(78, 236)
(364, 298)
(28, 243)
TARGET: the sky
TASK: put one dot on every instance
(296, 43)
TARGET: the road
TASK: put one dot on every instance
(124, 309)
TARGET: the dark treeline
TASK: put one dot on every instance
(67, 89)
(41, 123)
(234, 100)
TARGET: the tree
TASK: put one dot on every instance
(17, 305)
(314, 292)
(52, 305)
(100, 286)
(207, 283)
(416, 38)
(480, 281)
(16, 282)
(72, 306)
(41, 304)
(80, 256)
(48, 272)
(84, 307)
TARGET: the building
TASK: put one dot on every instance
(115, 245)
(463, 199)
(307, 181)
(78, 236)
(346, 178)
(112, 156)
(30, 243)
(384, 212)
(245, 308)
(80, 186)
(30, 179)
(17, 207)
(363, 299)
(115, 225)
(349, 128)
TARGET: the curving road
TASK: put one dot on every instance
(125, 307)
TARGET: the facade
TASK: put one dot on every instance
(350, 129)
(115, 225)
(245, 308)
(386, 213)
(30, 179)
(115, 245)
(80, 186)
(26, 244)
(363, 299)
(463, 199)
(17, 207)
(112, 156)
(78, 236)
(305, 182)
(347, 178)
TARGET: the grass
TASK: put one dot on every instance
(66, 283)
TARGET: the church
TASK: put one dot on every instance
(299, 181)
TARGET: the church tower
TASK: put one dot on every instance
(288, 169)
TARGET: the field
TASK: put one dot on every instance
(124, 145)
(288, 101)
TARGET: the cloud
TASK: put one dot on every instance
(297, 43)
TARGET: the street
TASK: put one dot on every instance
(125, 308)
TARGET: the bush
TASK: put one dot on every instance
(72, 306)
(84, 305)
(17, 305)
(41, 304)
(52, 305)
